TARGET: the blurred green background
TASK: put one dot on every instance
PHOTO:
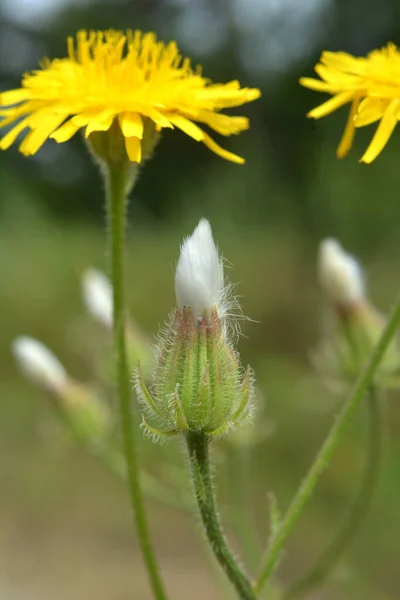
(65, 529)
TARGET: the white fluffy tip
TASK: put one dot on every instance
(339, 273)
(97, 296)
(199, 278)
(38, 364)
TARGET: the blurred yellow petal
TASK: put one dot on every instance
(13, 97)
(209, 142)
(348, 135)
(315, 84)
(383, 132)
(187, 127)
(370, 110)
(133, 149)
(36, 138)
(65, 132)
(222, 123)
(102, 124)
(331, 105)
(131, 124)
(12, 135)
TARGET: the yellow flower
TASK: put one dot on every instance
(126, 78)
(371, 84)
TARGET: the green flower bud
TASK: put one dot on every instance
(198, 383)
(356, 325)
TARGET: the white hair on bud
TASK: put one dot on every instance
(340, 274)
(199, 277)
(38, 364)
(97, 296)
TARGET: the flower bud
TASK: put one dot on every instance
(198, 383)
(81, 407)
(97, 296)
(355, 324)
(39, 365)
(339, 274)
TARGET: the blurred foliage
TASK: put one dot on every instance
(267, 216)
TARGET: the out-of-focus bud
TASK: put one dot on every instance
(78, 404)
(198, 383)
(355, 324)
(339, 274)
(97, 296)
(39, 365)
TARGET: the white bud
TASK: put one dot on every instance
(340, 274)
(97, 295)
(199, 277)
(38, 364)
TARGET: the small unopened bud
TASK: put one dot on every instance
(198, 383)
(39, 364)
(356, 325)
(97, 296)
(86, 414)
(340, 274)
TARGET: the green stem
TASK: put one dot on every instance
(358, 510)
(198, 446)
(364, 381)
(117, 178)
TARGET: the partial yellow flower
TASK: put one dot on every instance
(126, 78)
(371, 84)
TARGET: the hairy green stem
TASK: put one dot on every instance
(364, 381)
(358, 510)
(198, 446)
(117, 181)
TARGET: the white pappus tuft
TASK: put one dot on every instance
(199, 276)
(340, 274)
(39, 364)
(97, 296)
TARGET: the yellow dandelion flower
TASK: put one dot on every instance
(371, 84)
(130, 79)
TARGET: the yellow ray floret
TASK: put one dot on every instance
(128, 77)
(371, 84)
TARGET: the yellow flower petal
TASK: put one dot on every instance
(65, 132)
(133, 147)
(383, 133)
(13, 97)
(348, 135)
(100, 124)
(330, 105)
(12, 135)
(214, 147)
(36, 138)
(370, 110)
(315, 84)
(223, 124)
(131, 124)
(187, 127)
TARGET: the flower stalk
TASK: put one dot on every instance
(361, 504)
(199, 448)
(117, 177)
(363, 383)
